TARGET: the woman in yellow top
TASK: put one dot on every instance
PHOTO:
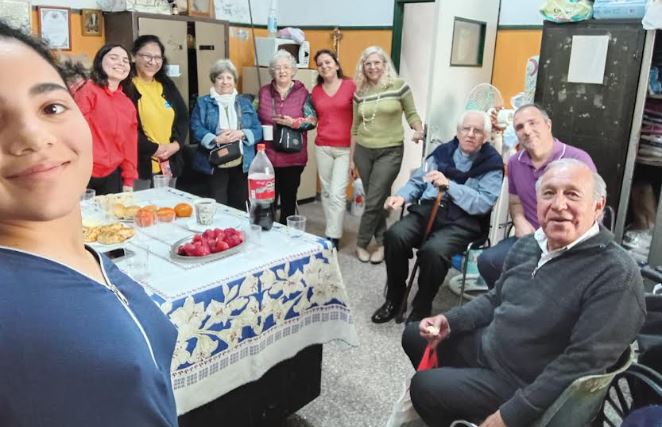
(377, 140)
(162, 114)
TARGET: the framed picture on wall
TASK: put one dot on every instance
(201, 8)
(55, 26)
(468, 43)
(91, 22)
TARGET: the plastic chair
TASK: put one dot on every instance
(581, 401)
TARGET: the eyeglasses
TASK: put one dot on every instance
(150, 58)
(466, 130)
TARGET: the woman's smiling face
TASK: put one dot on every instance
(45, 143)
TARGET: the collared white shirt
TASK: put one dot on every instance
(548, 255)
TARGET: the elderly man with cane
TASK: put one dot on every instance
(568, 303)
(471, 171)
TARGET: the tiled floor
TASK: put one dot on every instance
(359, 385)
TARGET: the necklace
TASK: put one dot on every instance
(368, 121)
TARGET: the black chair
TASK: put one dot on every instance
(635, 388)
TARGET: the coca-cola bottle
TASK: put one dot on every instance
(262, 190)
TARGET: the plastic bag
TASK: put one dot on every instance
(403, 412)
(291, 33)
(566, 10)
(653, 17)
(358, 198)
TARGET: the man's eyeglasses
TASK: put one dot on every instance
(150, 58)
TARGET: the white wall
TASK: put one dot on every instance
(451, 85)
(310, 12)
(520, 12)
(344, 13)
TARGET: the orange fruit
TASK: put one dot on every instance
(165, 214)
(183, 210)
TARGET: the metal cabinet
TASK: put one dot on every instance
(603, 119)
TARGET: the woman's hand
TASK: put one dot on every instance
(228, 136)
(165, 151)
(284, 120)
(418, 136)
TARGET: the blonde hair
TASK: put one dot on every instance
(389, 70)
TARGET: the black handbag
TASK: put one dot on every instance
(225, 153)
(287, 140)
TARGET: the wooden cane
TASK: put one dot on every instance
(403, 305)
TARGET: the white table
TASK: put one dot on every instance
(239, 316)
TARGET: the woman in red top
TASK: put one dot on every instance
(113, 121)
(332, 99)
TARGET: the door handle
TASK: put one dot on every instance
(206, 47)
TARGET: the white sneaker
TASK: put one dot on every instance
(377, 256)
(362, 254)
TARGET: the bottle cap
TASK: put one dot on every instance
(260, 147)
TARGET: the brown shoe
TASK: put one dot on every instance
(377, 256)
(362, 254)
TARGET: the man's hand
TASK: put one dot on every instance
(437, 179)
(434, 329)
(394, 202)
(494, 420)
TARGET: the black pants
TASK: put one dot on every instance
(463, 387)
(229, 186)
(444, 241)
(490, 261)
(108, 184)
(287, 185)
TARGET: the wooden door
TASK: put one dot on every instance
(210, 39)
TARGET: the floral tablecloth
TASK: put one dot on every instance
(239, 316)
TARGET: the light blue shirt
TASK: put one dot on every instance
(476, 196)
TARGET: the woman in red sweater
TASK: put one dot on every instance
(332, 99)
(113, 121)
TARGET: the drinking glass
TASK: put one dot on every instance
(162, 181)
(296, 225)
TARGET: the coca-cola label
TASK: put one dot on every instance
(262, 189)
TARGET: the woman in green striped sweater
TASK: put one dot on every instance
(377, 141)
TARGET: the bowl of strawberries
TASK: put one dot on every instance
(211, 244)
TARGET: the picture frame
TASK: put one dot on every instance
(468, 43)
(203, 8)
(91, 22)
(55, 26)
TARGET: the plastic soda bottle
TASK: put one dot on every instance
(262, 190)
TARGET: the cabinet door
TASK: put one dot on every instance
(173, 36)
(594, 117)
(209, 47)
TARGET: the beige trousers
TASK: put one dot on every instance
(333, 169)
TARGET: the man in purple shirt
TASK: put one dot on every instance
(539, 148)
